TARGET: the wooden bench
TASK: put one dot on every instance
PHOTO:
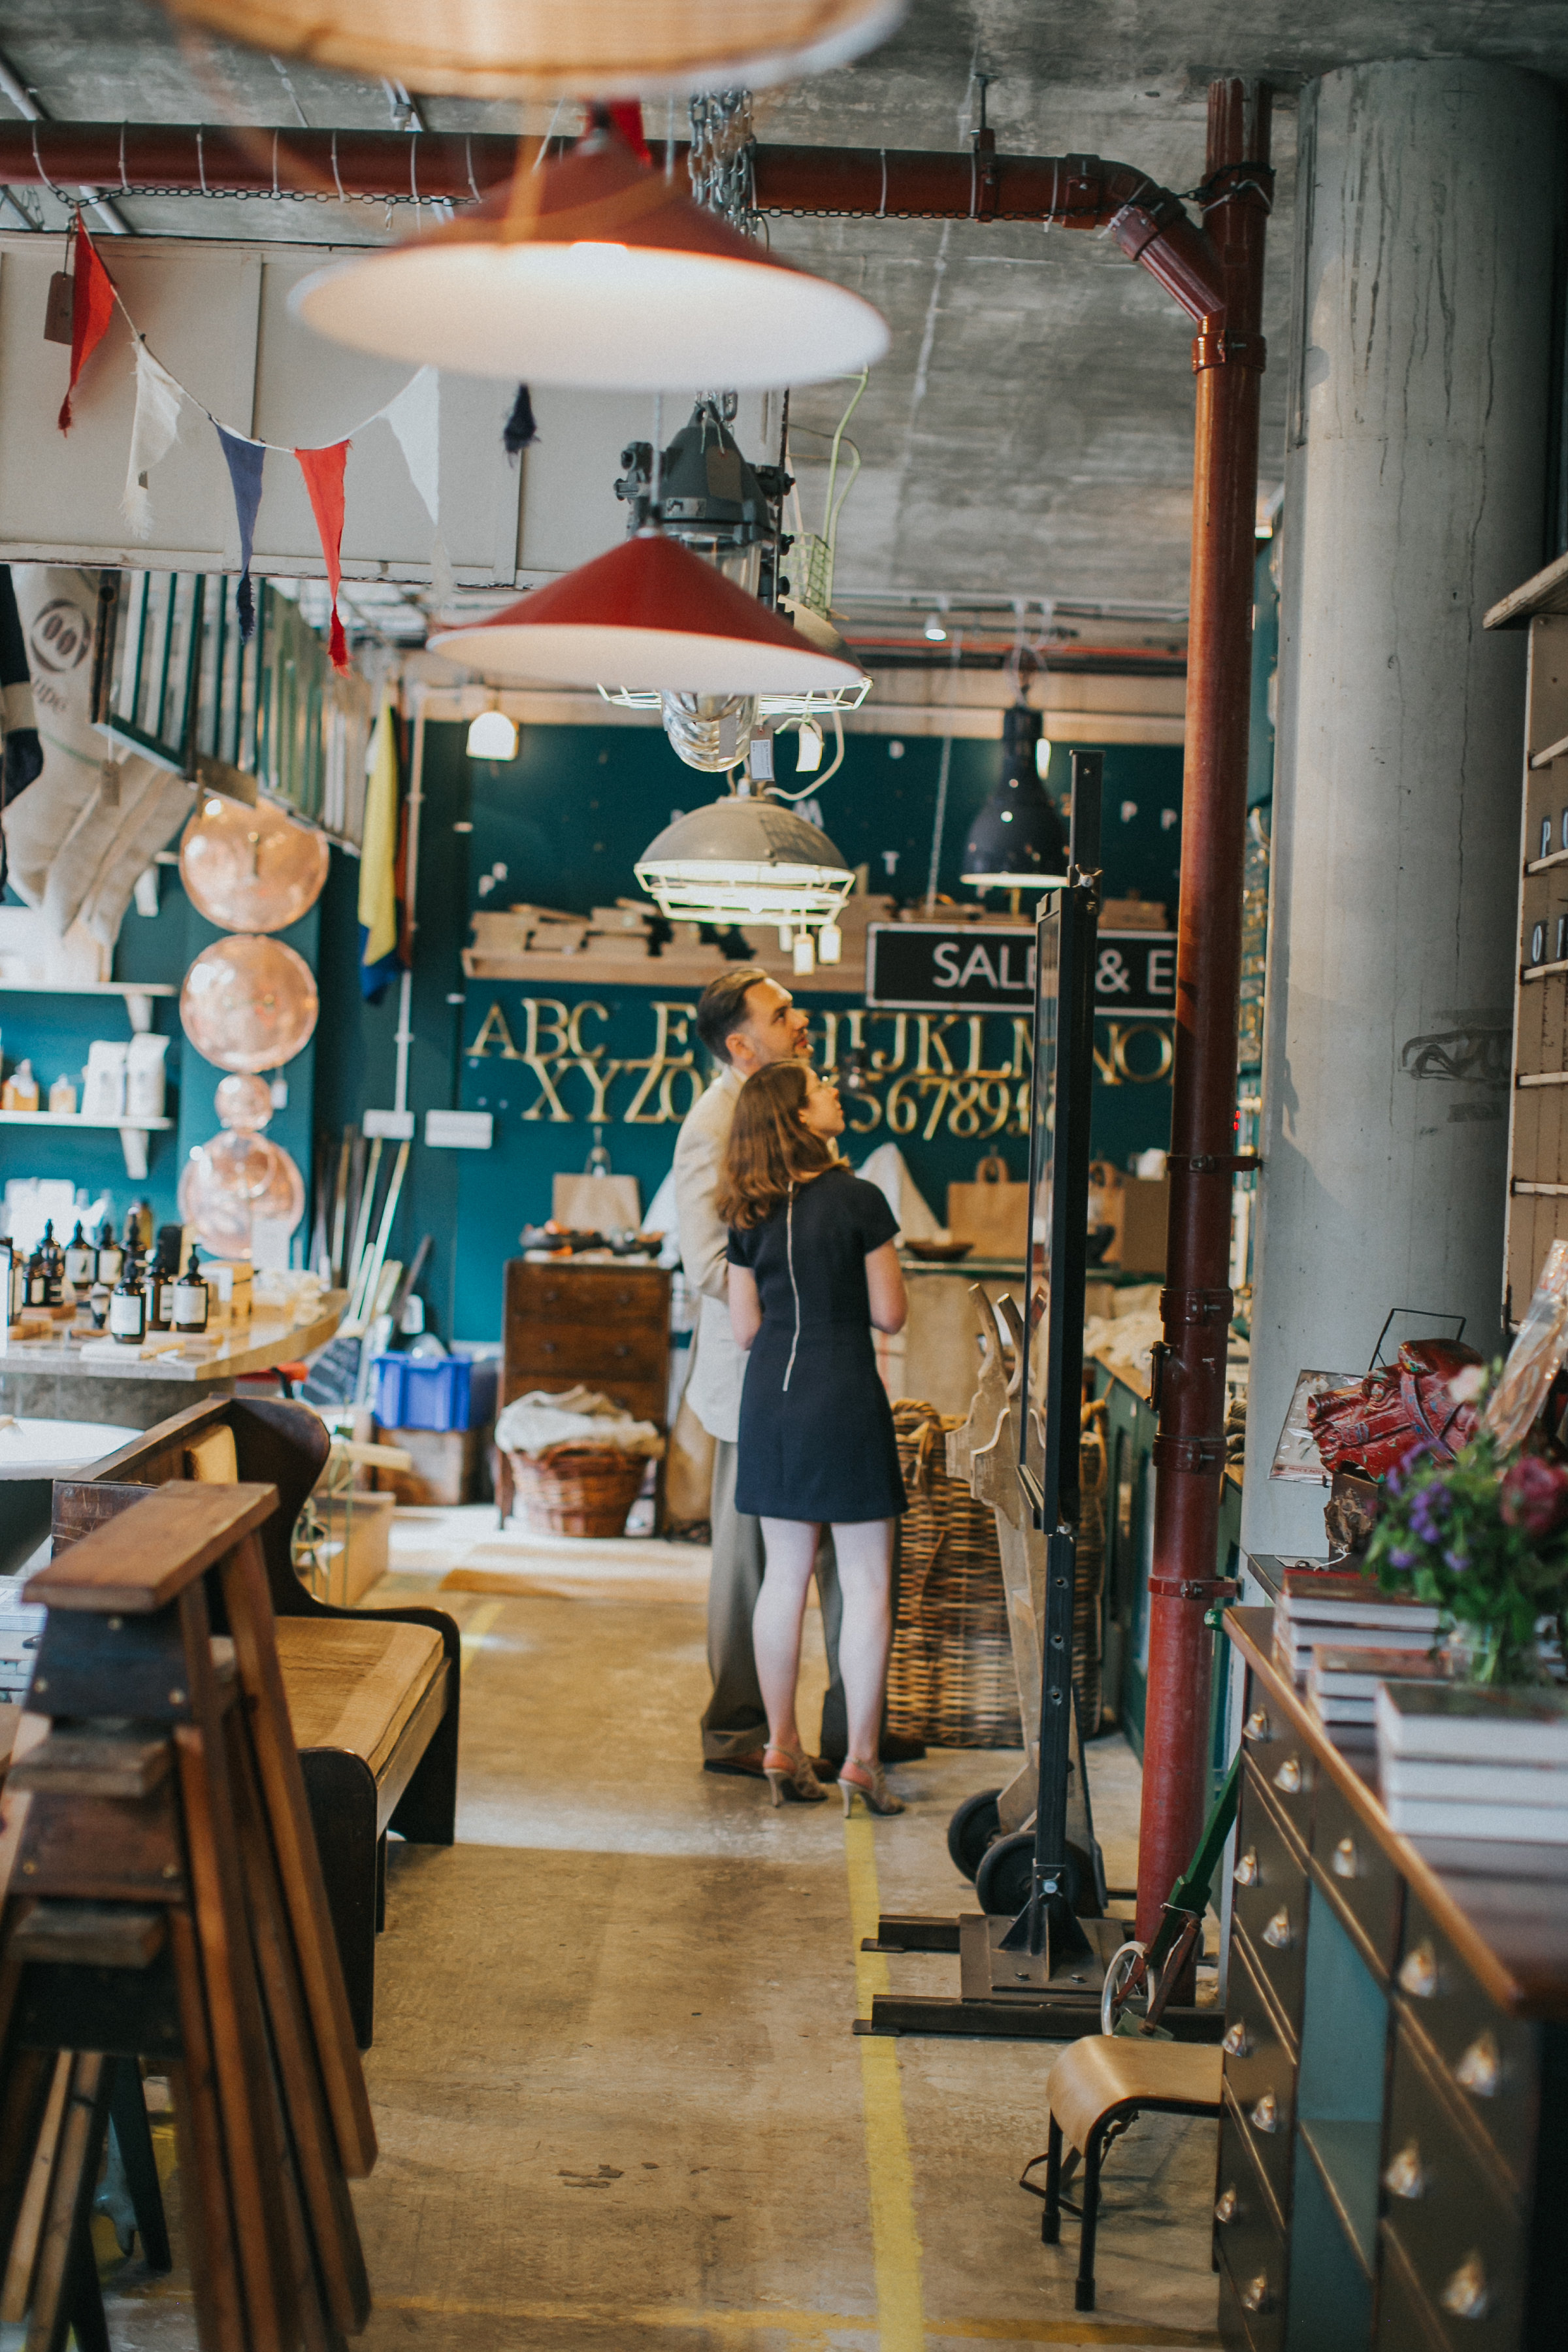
(372, 1694)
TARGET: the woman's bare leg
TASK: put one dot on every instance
(865, 1552)
(791, 1549)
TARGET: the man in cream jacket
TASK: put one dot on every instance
(746, 1021)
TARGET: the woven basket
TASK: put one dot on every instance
(577, 1489)
(950, 1678)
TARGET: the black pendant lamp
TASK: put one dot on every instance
(1017, 841)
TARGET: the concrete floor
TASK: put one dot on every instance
(618, 2096)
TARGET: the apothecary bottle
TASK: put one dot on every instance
(128, 1306)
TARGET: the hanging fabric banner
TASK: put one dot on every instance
(323, 472)
(379, 957)
(415, 417)
(245, 459)
(92, 306)
(154, 433)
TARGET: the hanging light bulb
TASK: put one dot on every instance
(808, 748)
(830, 944)
(596, 272)
(1016, 842)
(805, 954)
(493, 736)
(534, 49)
(648, 614)
(746, 859)
(1043, 758)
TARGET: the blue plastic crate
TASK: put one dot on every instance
(443, 1392)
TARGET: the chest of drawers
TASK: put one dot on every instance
(606, 1327)
(1394, 2148)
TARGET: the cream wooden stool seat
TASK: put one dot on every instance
(1098, 2087)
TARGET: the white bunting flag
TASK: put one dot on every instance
(415, 417)
(153, 432)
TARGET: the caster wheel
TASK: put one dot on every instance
(1006, 1874)
(972, 1829)
(1118, 1993)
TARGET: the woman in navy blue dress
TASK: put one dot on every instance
(811, 1268)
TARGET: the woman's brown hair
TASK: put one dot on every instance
(770, 1151)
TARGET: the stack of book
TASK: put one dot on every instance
(21, 1629)
(1326, 1608)
(1476, 1774)
(1342, 1685)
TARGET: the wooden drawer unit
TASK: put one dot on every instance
(1357, 1875)
(1249, 2247)
(1491, 2062)
(604, 1327)
(1259, 2075)
(1450, 2208)
(1269, 1900)
(1279, 1757)
(592, 1350)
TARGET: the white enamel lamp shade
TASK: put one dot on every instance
(536, 48)
(745, 860)
(651, 616)
(597, 272)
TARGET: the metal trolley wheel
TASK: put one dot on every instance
(1006, 1876)
(972, 1829)
(1126, 1986)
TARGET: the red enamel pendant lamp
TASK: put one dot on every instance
(595, 272)
(651, 615)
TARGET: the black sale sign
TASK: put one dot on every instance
(970, 968)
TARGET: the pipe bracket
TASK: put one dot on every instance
(1198, 1456)
(1227, 349)
(1214, 1163)
(1195, 1306)
(1206, 1589)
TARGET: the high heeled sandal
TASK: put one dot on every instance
(871, 1781)
(791, 1779)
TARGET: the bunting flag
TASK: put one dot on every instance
(379, 847)
(323, 472)
(245, 459)
(154, 433)
(414, 417)
(92, 306)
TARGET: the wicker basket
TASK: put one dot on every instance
(575, 1489)
(950, 1678)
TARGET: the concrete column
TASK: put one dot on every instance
(1416, 470)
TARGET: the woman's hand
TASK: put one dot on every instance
(884, 1286)
(746, 1308)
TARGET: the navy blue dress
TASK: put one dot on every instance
(817, 1431)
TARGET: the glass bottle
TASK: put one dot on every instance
(37, 1280)
(128, 1306)
(54, 1266)
(81, 1261)
(156, 1288)
(111, 1256)
(191, 1298)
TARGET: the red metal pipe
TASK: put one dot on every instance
(1196, 1304)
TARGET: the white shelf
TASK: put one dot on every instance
(133, 1132)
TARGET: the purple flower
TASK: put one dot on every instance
(1456, 1560)
(1535, 1496)
(1403, 1558)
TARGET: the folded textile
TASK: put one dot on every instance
(580, 1415)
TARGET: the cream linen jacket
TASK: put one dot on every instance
(718, 1365)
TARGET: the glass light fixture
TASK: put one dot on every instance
(493, 736)
(653, 617)
(808, 748)
(534, 49)
(830, 944)
(747, 859)
(1017, 842)
(596, 272)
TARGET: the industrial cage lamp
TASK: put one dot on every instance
(748, 859)
(1017, 841)
(598, 272)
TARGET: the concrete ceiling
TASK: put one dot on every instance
(1029, 434)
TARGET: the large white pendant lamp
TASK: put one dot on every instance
(599, 272)
(648, 614)
(536, 48)
(746, 859)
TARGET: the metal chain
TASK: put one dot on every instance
(722, 158)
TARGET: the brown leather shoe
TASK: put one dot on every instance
(748, 1767)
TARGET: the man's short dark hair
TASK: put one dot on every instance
(722, 1007)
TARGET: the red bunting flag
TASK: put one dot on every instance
(323, 472)
(92, 306)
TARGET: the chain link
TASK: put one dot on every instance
(722, 158)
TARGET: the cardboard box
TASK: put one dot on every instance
(1142, 1214)
(446, 1464)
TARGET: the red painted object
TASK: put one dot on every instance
(1397, 1409)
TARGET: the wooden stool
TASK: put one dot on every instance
(1098, 2087)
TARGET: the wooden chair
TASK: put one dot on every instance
(372, 1694)
(1095, 2090)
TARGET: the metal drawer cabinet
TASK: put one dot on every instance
(1450, 2208)
(1269, 1900)
(1491, 2062)
(1403, 2321)
(1249, 2246)
(1357, 1877)
(1281, 1758)
(1259, 2075)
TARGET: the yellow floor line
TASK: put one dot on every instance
(895, 2239)
(476, 1627)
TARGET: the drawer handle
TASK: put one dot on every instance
(1277, 1932)
(1479, 2071)
(1406, 2176)
(1255, 2295)
(1418, 1972)
(1265, 2114)
(1288, 1776)
(1237, 2042)
(1257, 1725)
(1343, 1861)
(1246, 1872)
(1228, 2208)
(549, 1347)
(1466, 2294)
(622, 1349)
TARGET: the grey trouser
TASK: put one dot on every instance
(736, 1722)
